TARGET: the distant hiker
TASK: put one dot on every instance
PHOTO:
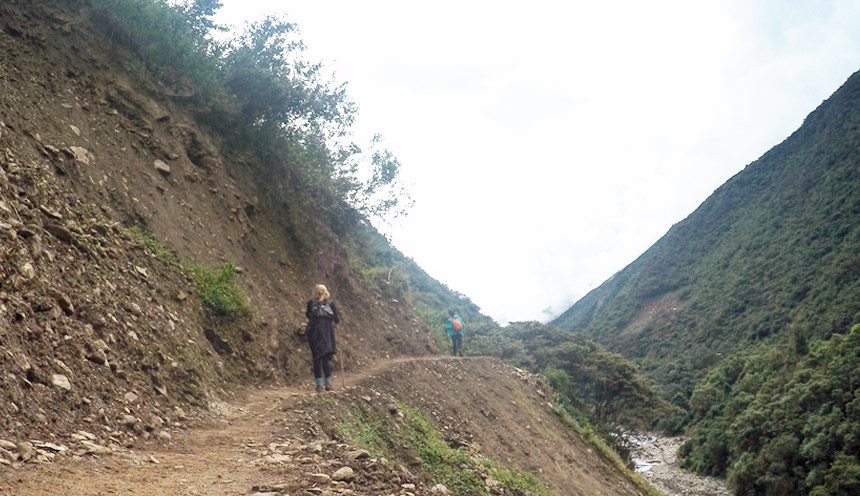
(455, 328)
(322, 316)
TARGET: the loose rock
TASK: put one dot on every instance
(25, 450)
(319, 478)
(162, 167)
(61, 381)
(345, 474)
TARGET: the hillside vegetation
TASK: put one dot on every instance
(163, 224)
(742, 311)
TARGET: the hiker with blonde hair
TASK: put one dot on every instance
(322, 316)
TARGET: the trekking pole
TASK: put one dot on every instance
(340, 362)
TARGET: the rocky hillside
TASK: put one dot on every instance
(110, 192)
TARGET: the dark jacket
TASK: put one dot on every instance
(320, 331)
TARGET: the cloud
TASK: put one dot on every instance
(561, 139)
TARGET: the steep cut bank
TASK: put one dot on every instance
(743, 313)
(111, 190)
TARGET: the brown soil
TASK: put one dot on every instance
(82, 124)
(270, 440)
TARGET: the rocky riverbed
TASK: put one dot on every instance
(656, 459)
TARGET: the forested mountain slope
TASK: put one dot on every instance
(764, 270)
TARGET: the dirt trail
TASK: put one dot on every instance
(209, 459)
(272, 443)
(265, 446)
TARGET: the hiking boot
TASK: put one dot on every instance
(319, 388)
(328, 386)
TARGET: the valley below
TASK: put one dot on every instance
(655, 458)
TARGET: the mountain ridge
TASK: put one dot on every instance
(761, 271)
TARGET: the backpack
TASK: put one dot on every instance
(320, 309)
(456, 324)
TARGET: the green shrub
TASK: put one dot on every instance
(784, 426)
(152, 245)
(462, 472)
(220, 292)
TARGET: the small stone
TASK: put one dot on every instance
(278, 458)
(75, 129)
(81, 155)
(407, 487)
(61, 381)
(128, 421)
(86, 435)
(60, 232)
(162, 167)
(8, 455)
(51, 213)
(358, 454)
(98, 357)
(440, 489)
(9, 445)
(492, 484)
(130, 397)
(154, 423)
(319, 478)
(345, 474)
(22, 362)
(64, 301)
(57, 448)
(95, 449)
(27, 271)
(25, 450)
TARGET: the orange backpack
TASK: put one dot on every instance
(456, 324)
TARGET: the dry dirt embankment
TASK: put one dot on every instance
(288, 441)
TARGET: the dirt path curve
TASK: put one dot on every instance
(212, 459)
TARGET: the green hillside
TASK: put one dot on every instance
(767, 266)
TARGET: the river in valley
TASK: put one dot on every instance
(656, 460)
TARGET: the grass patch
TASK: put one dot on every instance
(220, 292)
(152, 245)
(462, 472)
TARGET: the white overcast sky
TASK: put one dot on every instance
(547, 144)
